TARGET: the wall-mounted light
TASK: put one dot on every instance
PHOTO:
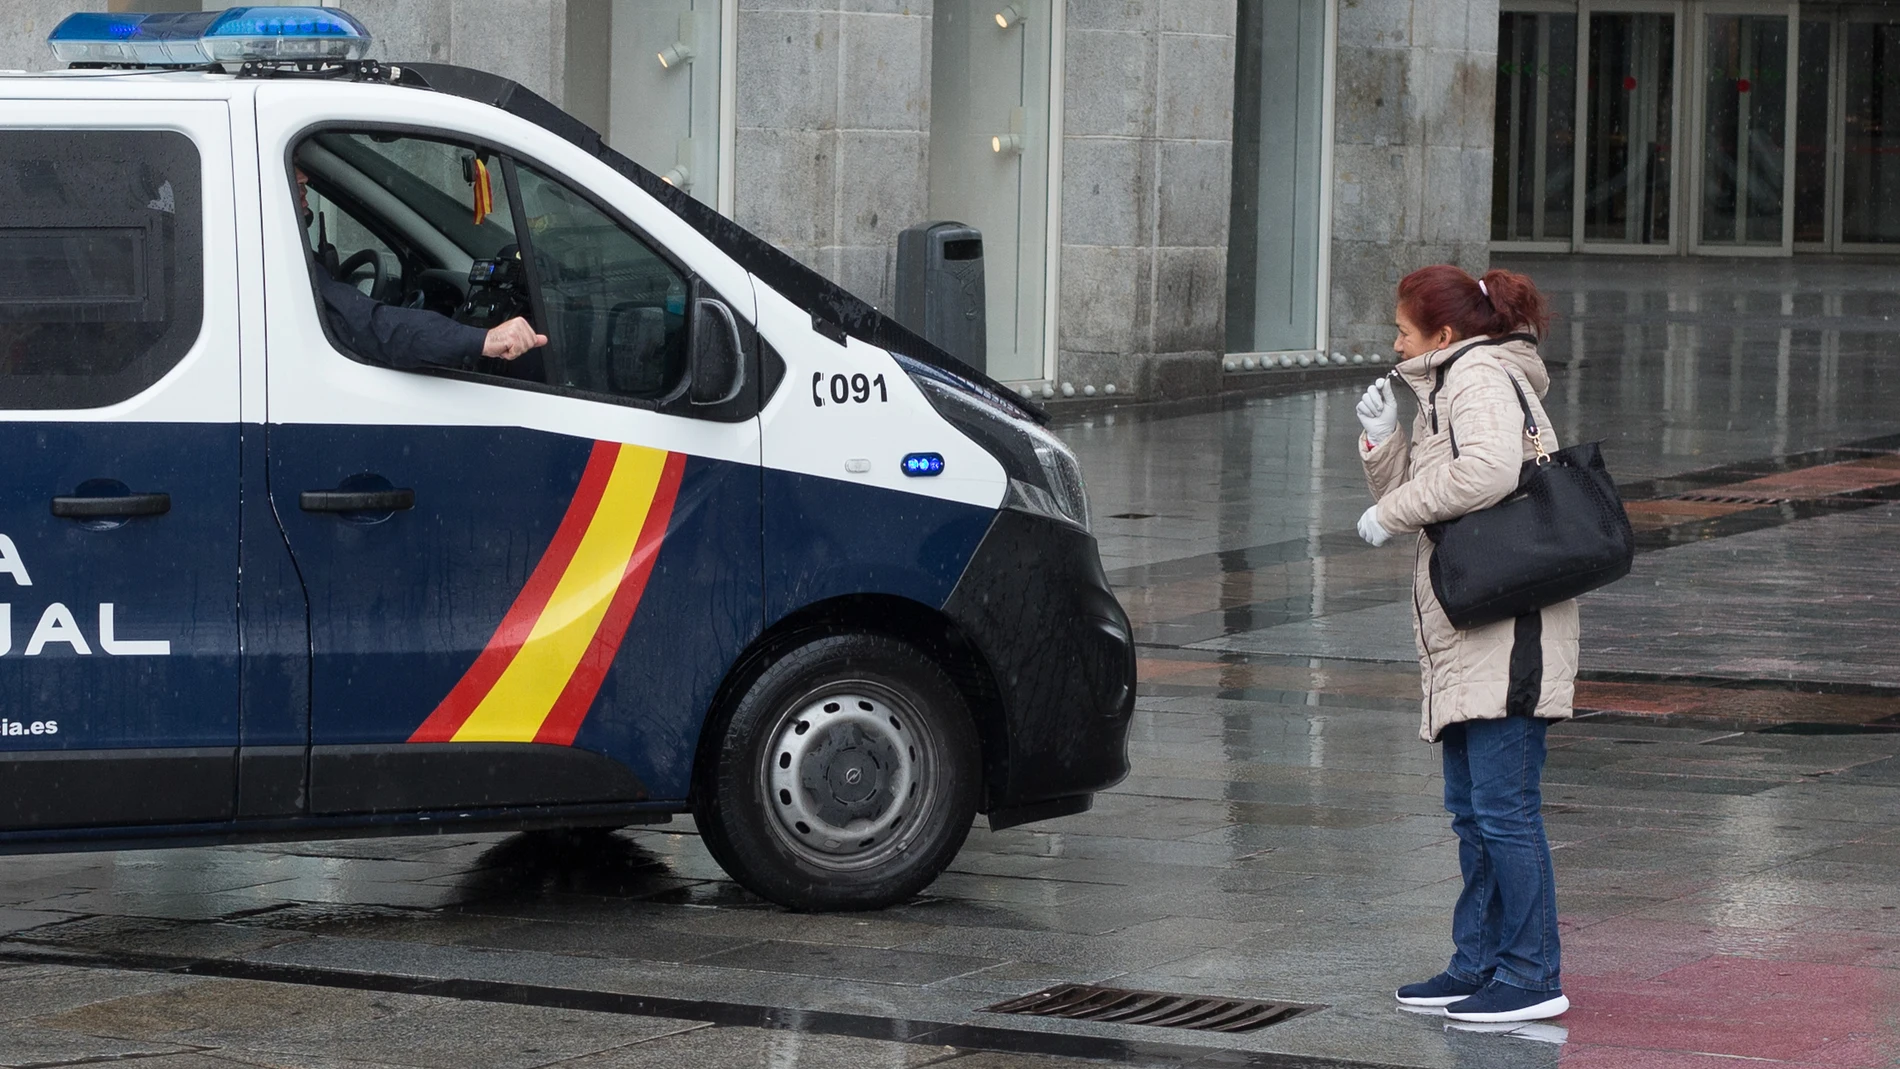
(676, 55)
(1010, 17)
(1016, 140)
(680, 52)
(680, 177)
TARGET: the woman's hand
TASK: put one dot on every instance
(1378, 414)
(1369, 528)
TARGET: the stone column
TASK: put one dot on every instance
(1413, 98)
(525, 40)
(24, 25)
(833, 132)
(1148, 123)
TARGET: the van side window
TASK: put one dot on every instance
(616, 309)
(101, 263)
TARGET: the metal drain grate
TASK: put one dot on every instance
(1117, 1005)
(1734, 499)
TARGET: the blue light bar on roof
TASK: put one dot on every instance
(159, 40)
(272, 34)
(195, 38)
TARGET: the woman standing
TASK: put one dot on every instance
(1490, 691)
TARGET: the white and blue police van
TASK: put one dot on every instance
(730, 543)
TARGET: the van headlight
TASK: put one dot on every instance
(1044, 477)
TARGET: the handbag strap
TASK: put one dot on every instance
(1530, 419)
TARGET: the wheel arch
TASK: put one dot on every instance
(928, 629)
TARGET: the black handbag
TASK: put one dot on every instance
(1561, 533)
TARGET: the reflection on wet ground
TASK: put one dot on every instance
(1724, 819)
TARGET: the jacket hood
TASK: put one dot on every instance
(1517, 353)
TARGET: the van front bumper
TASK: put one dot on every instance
(1035, 604)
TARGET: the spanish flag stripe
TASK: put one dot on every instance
(564, 721)
(521, 699)
(474, 685)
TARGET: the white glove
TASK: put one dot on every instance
(1378, 412)
(1369, 528)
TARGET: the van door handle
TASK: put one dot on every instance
(94, 508)
(356, 500)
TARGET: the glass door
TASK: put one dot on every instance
(1745, 96)
(1627, 167)
(1534, 165)
(992, 135)
(654, 78)
(1869, 129)
(1275, 250)
(1816, 148)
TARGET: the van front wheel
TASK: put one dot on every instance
(845, 778)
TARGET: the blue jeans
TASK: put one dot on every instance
(1505, 923)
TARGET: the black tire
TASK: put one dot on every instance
(882, 777)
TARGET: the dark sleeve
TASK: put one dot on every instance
(402, 338)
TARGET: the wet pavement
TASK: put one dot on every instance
(1725, 818)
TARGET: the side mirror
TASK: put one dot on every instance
(718, 369)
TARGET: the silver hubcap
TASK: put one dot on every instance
(849, 769)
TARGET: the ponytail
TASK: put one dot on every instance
(1516, 301)
(1444, 296)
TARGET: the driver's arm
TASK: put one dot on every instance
(402, 338)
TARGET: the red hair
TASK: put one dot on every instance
(1444, 296)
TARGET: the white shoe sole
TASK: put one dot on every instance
(1542, 1010)
(1444, 1000)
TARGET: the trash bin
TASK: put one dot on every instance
(940, 287)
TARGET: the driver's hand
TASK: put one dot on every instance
(511, 339)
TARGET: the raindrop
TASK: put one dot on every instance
(803, 828)
(785, 759)
(784, 796)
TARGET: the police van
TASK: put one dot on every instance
(730, 543)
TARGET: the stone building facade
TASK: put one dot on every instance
(828, 126)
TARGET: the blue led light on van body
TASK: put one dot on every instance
(196, 38)
(921, 464)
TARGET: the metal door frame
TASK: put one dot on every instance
(1790, 10)
(1541, 7)
(1842, 14)
(1586, 9)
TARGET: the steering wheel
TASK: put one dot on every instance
(348, 268)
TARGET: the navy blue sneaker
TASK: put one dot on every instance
(1500, 1001)
(1440, 990)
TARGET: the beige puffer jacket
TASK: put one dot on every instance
(1518, 666)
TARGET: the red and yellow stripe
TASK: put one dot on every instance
(538, 675)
